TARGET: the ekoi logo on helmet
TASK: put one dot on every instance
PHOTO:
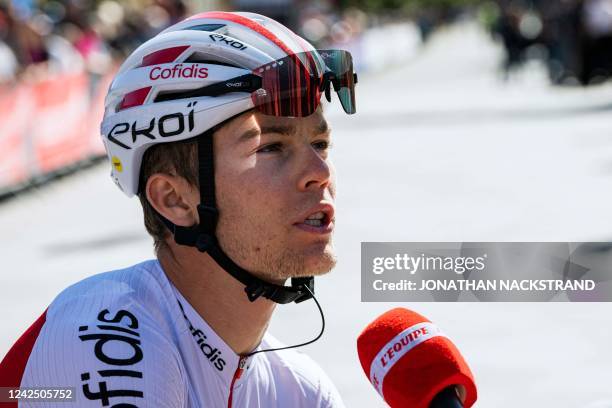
(220, 38)
(169, 125)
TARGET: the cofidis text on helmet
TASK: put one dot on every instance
(178, 71)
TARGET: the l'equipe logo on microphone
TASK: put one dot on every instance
(399, 345)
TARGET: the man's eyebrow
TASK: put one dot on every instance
(249, 134)
(322, 128)
(280, 129)
(254, 132)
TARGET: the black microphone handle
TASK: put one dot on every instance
(447, 398)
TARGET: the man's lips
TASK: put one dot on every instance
(326, 223)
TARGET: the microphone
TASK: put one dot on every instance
(412, 364)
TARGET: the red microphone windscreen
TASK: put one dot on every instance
(409, 360)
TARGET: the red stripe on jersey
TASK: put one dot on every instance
(253, 25)
(14, 363)
(134, 98)
(163, 56)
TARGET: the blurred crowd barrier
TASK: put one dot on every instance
(48, 125)
(56, 62)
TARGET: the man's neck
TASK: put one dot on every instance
(217, 297)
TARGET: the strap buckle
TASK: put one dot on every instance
(297, 292)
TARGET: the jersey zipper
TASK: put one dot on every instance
(237, 375)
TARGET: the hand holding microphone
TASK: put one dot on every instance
(412, 364)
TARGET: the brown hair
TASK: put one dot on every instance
(177, 159)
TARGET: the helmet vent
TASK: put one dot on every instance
(203, 58)
(206, 27)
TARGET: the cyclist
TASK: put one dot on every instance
(216, 125)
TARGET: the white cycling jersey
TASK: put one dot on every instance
(128, 338)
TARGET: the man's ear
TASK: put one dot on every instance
(174, 198)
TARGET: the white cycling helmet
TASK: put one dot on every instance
(199, 73)
(149, 101)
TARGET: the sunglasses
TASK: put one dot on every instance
(291, 86)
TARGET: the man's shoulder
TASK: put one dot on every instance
(138, 285)
(109, 329)
(302, 369)
(114, 283)
(139, 296)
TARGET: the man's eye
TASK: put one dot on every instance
(273, 147)
(322, 145)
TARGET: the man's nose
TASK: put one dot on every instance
(316, 171)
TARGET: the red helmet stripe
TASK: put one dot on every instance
(253, 25)
(134, 98)
(163, 56)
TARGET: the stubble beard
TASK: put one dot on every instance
(276, 266)
(294, 264)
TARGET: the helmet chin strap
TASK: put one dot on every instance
(203, 237)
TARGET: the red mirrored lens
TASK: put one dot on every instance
(290, 86)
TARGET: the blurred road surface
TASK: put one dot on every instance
(441, 150)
